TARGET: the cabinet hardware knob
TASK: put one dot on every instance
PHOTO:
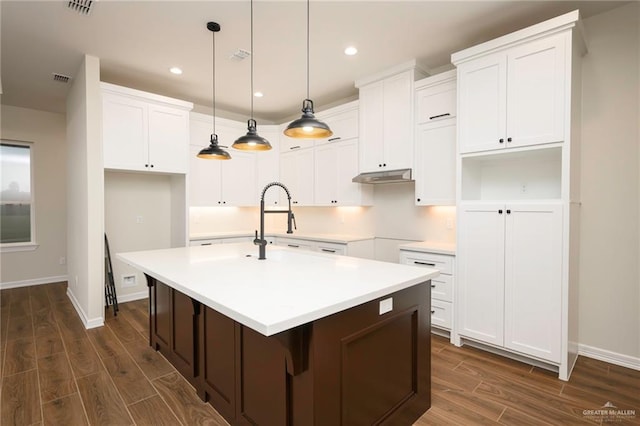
(152, 165)
(218, 202)
(379, 165)
(439, 116)
(500, 211)
(295, 147)
(224, 202)
(508, 211)
(501, 140)
(433, 286)
(433, 312)
(384, 164)
(146, 165)
(418, 199)
(333, 139)
(508, 139)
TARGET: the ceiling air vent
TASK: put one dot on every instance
(61, 77)
(83, 7)
(239, 55)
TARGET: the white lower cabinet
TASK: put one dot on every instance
(442, 286)
(509, 277)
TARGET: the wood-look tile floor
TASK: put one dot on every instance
(54, 372)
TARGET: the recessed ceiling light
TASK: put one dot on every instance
(175, 70)
(350, 51)
(258, 94)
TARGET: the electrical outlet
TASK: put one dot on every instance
(128, 281)
(449, 223)
(139, 219)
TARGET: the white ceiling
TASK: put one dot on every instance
(137, 42)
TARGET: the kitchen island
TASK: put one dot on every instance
(299, 338)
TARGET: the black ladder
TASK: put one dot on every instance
(110, 297)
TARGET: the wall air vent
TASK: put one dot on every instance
(61, 77)
(239, 55)
(83, 7)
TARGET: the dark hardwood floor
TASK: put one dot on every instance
(54, 372)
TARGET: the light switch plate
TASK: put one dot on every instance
(386, 305)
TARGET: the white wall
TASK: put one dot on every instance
(137, 216)
(609, 277)
(47, 131)
(85, 223)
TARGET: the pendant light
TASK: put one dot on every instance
(308, 126)
(251, 141)
(214, 151)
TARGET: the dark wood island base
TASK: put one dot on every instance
(356, 367)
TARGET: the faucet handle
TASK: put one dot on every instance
(256, 241)
(293, 218)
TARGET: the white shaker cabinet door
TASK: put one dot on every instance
(168, 139)
(480, 253)
(533, 280)
(326, 170)
(124, 126)
(482, 102)
(372, 127)
(239, 181)
(204, 178)
(435, 163)
(398, 121)
(536, 92)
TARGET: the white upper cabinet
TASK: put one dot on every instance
(221, 182)
(386, 119)
(297, 174)
(336, 164)
(435, 140)
(343, 122)
(516, 97)
(143, 131)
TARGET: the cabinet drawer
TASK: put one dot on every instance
(294, 243)
(442, 288)
(205, 242)
(442, 262)
(441, 314)
(332, 248)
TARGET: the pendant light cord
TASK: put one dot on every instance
(307, 49)
(251, 60)
(213, 91)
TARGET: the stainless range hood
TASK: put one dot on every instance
(388, 176)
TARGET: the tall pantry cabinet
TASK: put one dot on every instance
(518, 192)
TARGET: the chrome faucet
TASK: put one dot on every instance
(291, 220)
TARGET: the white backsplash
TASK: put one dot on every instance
(394, 219)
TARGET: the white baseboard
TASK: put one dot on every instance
(36, 281)
(608, 356)
(132, 296)
(88, 323)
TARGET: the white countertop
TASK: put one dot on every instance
(430, 247)
(330, 238)
(288, 289)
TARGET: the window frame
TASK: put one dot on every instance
(27, 245)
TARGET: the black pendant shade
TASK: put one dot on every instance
(252, 141)
(214, 151)
(308, 126)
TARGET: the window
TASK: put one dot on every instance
(16, 196)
